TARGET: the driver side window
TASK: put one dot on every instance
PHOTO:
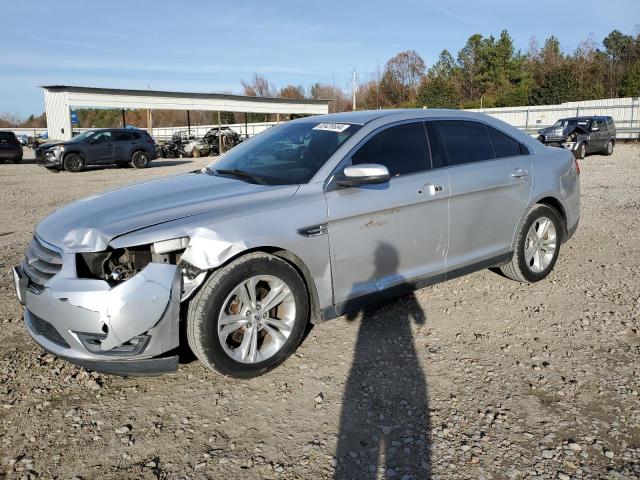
(102, 137)
(403, 149)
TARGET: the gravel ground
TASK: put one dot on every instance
(480, 377)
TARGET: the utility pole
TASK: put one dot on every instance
(354, 88)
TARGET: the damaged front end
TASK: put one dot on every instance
(115, 311)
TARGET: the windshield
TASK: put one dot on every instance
(287, 154)
(564, 123)
(83, 136)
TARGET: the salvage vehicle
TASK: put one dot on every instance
(122, 146)
(581, 135)
(210, 143)
(307, 221)
(10, 147)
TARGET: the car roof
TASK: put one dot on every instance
(363, 117)
(587, 117)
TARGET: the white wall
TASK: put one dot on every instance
(625, 112)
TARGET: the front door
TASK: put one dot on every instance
(101, 150)
(598, 135)
(385, 235)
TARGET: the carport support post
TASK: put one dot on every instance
(220, 143)
(149, 122)
(188, 123)
(124, 123)
(246, 128)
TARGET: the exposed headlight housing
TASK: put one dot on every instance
(118, 265)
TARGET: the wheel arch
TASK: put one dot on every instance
(297, 263)
(556, 204)
(74, 152)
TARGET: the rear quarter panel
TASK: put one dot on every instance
(556, 176)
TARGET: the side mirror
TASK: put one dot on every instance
(363, 174)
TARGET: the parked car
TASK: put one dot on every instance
(581, 135)
(10, 148)
(23, 139)
(304, 222)
(99, 147)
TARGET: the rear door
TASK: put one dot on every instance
(122, 145)
(490, 174)
(386, 235)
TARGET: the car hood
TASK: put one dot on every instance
(46, 146)
(88, 225)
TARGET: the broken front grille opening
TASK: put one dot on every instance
(93, 342)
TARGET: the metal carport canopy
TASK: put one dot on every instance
(59, 99)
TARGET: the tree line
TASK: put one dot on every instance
(486, 72)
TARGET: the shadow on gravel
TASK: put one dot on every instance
(385, 423)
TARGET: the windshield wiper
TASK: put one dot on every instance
(242, 175)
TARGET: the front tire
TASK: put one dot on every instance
(249, 316)
(537, 246)
(140, 159)
(73, 162)
(581, 151)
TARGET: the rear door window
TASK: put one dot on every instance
(504, 145)
(122, 136)
(465, 141)
(403, 149)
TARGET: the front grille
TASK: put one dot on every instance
(48, 331)
(41, 262)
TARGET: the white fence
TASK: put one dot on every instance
(625, 112)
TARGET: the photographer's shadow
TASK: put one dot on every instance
(384, 424)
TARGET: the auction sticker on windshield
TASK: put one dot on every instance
(332, 127)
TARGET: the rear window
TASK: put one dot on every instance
(8, 137)
(464, 141)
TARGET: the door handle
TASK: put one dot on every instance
(520, 173)
(431, 189)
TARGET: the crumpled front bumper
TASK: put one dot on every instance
(129, 329)
(51, 158)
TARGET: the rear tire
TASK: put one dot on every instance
(140, 159)
(218, 319)
(537, 246)
(73, 162)
(608, 149)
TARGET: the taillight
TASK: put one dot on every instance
(577, 166)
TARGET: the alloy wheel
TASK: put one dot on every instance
(256, 319)
(540, 246)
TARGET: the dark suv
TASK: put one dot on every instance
(10, 148)
(581, 135)
(122, 146)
